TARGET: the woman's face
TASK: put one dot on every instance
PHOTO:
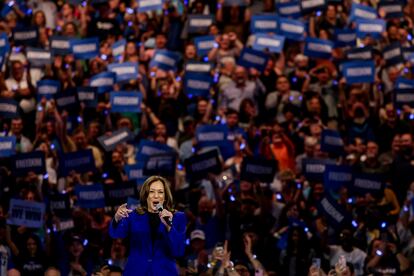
(39, 19)
(76, 248)
(190, 52)
(156, 195)
(131, 49)
(31, 246)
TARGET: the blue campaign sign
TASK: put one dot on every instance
(118, 48)
(250, 58)
(314, 169)
(26, 213)
(198, 67)
(80, 161)
(359, 11)
(124, 71)
(86, 48)
(8, 108)
(359, 71)
(88, 95)
(204, 44)
(60, 45)
(200, 165)
(47, 88)
(211, 135)
(4, 43)
(258, 169)
(109, 142)
(364, 53)
(274, 43)
(345, 37)
(332, 142)
(196, 84)
(199, 23)
(165, 60)
(264, 23)
(335, 214)
(146, 148)
(404, 97)
(68, 100)
(393, 54)
(163, 164)
(103, 81)
(312, 5)
(136, 172)
(126, 101)
(368, 183)
(336, 176)
(393, 9)
(292, 29)
(408, 52)
(370, 27)
(289, 9)
(116, 195)
(403, 83)
(150, 5)
(25, 36)
(38, 57)
(24, 163)
(318, 48)
(90, 196)
(7, 146)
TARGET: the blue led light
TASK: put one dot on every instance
(129, 10)
(383, 225)
(104, 175)
(180, 167)
(278, 196)
(354, 224)
(306, 229)
(350, 200)
(85, 242)
(187, 241)
(205, 59)
(45, 176)
(232, 198)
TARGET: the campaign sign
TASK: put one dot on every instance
(86, 48)
(198, 67)
(204, 44)
(368, 183)
(359, 71)
(24, 163)
(165, 60)
(59, 205)
(60, 45)
(117, 194)
(26, 213)
(8, 108)
(146, 148)
(161, 164)
(359, 11)
(258, 169)
(103, 81)
(109, 142)
(87, 95)
(211, 135)
(273, 43)
(199, 23)
(336, 176)
(335, 214)
(198, 166)
(404, 97)
(345, 37)
(312, 5)
(124, 71)
(68, 100)
(292, 29)
(314, 169)
(264, 23)
(149, 5)
(196, 84)
(393, 54)
(118, 48)
(403, 83)
(332, 142)
(25, 36)
(47, 88)
(80, 161)
(7, 146)
(407, 52)
(4, 43)
(250, 58)
(367, 27)
(38, 57)
(90, 196)
(5, 10)
(136, 172)
(364, 53)
(318, 48)
(125, 101)
(393, 9)
(289, 9)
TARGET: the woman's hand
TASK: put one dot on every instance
(122, 212)
(165, 213)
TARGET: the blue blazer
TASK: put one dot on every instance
(146, 258)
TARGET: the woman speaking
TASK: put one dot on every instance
(156, 232)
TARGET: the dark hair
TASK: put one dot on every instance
(143, 194)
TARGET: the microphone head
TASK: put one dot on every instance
(159, 207)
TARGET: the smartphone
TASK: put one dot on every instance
(316, 262)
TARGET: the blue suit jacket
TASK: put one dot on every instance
(145, 257)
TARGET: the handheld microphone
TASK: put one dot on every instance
(159, 208)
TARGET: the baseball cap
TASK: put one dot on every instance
(198, 234)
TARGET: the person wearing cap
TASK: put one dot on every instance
(155, 230)
(197, 258)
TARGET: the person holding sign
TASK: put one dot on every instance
(156, 231)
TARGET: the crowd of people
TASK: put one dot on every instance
(284, 127)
